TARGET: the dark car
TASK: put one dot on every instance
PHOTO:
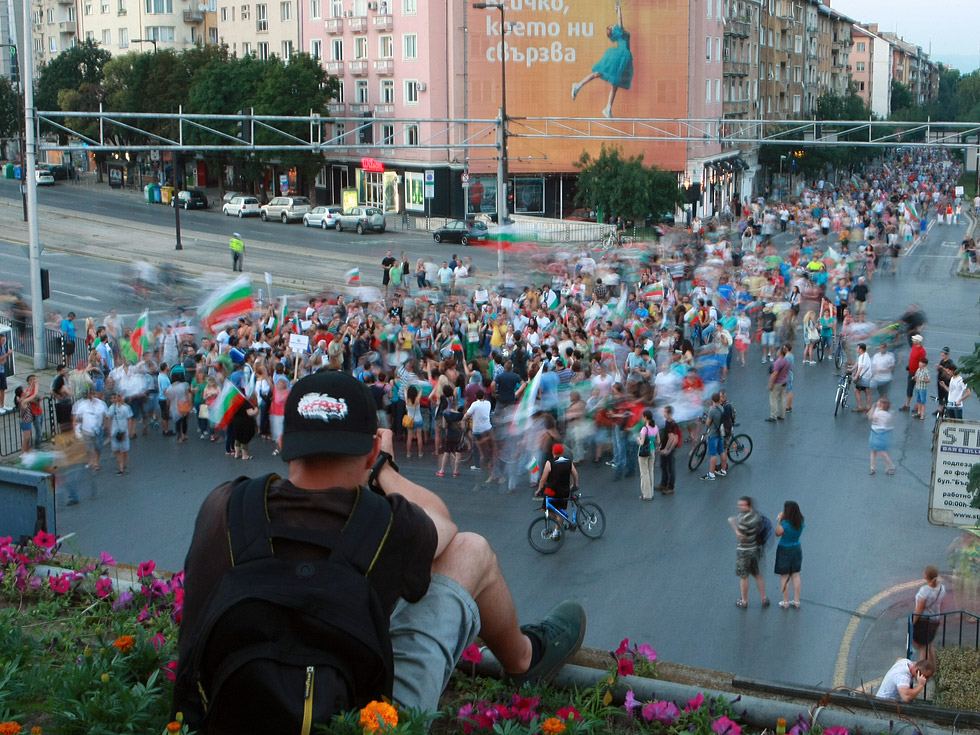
(60, 173)
(461, 232)
(581, 215)
(191, 199)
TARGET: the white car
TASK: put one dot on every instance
(43, 177)
(242, 206)
(323, 217)
(285, 208)
(361, 219)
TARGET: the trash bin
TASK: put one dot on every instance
(148, 193)
(166, 194)
(8, 171)
(17, 170)
(156, 194)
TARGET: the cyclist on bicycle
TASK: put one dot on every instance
(558, 477)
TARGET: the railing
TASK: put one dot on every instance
(357, 24)
(971, 620)
(10, 433)
(334, 25)
(384, 66)
(382, 22)
(737, 28)
(193, 16)
(22, 340)
(737, 68)
(334, 68)
(358, 68)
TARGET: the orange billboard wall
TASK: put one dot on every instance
(582, 59)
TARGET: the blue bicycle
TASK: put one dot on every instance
(546, 534)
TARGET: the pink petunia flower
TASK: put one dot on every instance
(170, 671)
(568, 714)
(159, 641)
(103, 587)
(123, 601)
(106, 560)
(646, 650)
(623, 647)
(45, 540)
(625, 667)
(60, 584)
(693, 705)
(145, 569)
(836, 731)
(725, 726)
(665, 712)
(472, 654)
(632, 702)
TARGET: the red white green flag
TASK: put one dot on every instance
(224, 405)
(227, 303)
(455, 345)
(527, 406)
(140, 339)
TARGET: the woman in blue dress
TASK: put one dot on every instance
(615, 66)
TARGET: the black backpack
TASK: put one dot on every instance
(283, 644)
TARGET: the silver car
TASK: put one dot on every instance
(324, 217)
(361, 219)
(241, 206)
(287, 209)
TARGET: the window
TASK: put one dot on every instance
(798, 44)
(261, 17)
(707, 91)
(361, 91)
(157, 7)
(106, 37)
(246, 48)
(89, 36)
(860, 66)
(50, 15)
(411, 134)
(717, 90)
(336, 9)
(707, 47)
(285, 11)
(340, 92)
(360, 47)
(709, 9)
(213, 36)
(861, 86)
(337, 49)
(797, 74)
(224, 15)
(264, 50)
(387, 91)
(163, 34)
(105, 7)
(194, 37)
(386, 47)
(409, 7)
(411, 92)
(314, 9)
(245, 12)
(387, 134)
(796, 103)
(53, 44)
(70, 14)
(718, 49)
(287, 50)
(862, 47)
(360, 8)
(339, 131)
(123, 38)
(410, 47)
(88, 9)
(316, 48)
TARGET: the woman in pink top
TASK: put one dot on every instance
(280, 392)
(648, 454)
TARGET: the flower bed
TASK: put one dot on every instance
(83, 649)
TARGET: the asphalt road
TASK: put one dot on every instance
(664, 571)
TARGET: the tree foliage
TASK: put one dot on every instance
(73, 68)
(9, 109)
(850, 106)
(624, 187)
(902, 99)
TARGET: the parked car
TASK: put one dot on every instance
(287, 209)
(229, 195)
(59, 172)
(324, 217)
(242, 206)
(361, 219)
(43, 177)
(582, 215)
(190, 199)
(461, 232)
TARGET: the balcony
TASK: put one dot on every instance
(193, 16)
(337, 109)
(384, 110)
(359, 108)
(67, 26)
(334, 25)
(66, 2)
(357, 25)
(382, 22)
(737, 28)
(735, 68)
(334, 68)
(736, 107)
(384, 67)
(358, 68)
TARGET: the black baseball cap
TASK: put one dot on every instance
(328, 412)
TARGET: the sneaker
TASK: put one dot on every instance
(709, 477)
(763, 359)
(560, 633)
(723, 473)
(475, 468)
(440, 474)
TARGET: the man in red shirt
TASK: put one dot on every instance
(917, 353)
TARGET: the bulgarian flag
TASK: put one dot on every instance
(455, 345)
(140, 340)
(227, 303)
(533, 466)
(910, 208)
(353, 276)
(225, 404)
(552, 302)
(654, 291)
(525, 409)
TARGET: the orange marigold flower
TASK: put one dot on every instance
(173, 726)
(124, 643)
(378, 716)
(552, 726)
(36, 730)
(9, 728)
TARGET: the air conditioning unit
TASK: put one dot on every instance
(372, 6)
(422, 86)
(348, 13)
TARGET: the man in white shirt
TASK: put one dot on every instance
(882, 366)
(479, 412)
(905, 680)
(445, 276)
(861, 371)
(89, 416)
(958, 392)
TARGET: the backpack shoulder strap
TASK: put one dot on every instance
(248, 521)
(366, 530)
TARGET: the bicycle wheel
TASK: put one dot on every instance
(838, 399)
(820, 349)
(465, 449)
(544, 535)
(591, 520)
(697, 455)
(839, 356)
(740, 448)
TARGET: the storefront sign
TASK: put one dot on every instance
(955, 449)
(370, 164)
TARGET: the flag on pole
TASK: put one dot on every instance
(527, 406)
(226, 303)
(455, 345)
(353, 276)
(533, 466)
(654, 291)
(910, 207)
(552, 302)
(139, 340)
(622, 306)
(225, 404)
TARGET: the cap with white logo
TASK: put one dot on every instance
(328, 412)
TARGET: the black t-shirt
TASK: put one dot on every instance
(860, 292)
(402, 570)
(58, 385)
(768, 321)
(387, 263)
(507, 383)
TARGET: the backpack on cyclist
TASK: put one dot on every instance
(764, 533)
(282, 644)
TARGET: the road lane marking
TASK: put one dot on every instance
(74, 296)
(840, 670)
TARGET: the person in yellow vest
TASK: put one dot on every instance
(237, 248)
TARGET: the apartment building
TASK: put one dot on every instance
(122, 26)
(782, 59)
(872, 60)
(841, 45)
(268, 28)
(54, 29)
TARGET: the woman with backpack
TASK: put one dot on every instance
(789, 553)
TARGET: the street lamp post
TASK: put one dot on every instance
(782, 183)
(502, 213)
(147, 40)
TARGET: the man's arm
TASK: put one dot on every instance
(544, 478)
(909, 693)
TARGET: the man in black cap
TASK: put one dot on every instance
(440, 586)
(944, 371)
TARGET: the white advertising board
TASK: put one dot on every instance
(956, 448)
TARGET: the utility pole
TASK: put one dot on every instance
(27, 173)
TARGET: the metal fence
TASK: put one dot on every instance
(963, 630)
(56, 348)
(10, 433)
(532, 229)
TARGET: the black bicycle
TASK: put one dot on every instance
(843, 390)
(839, 351)
(737, 446)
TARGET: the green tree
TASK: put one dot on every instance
(902, 100)
(9, 109)
(73, 67)
(624, 187)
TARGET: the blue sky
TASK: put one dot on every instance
(949, 25)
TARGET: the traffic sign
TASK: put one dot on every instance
(466, 177)
(430, 191)
(430, 176)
